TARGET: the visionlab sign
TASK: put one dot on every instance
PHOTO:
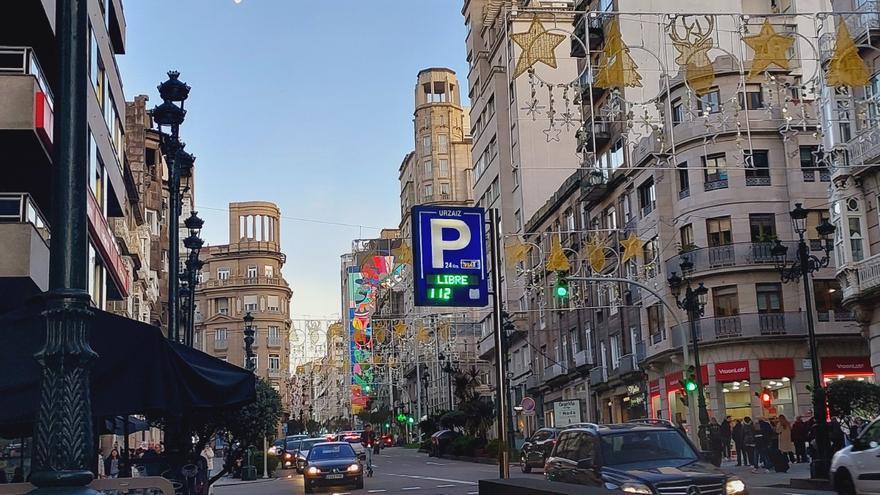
(449, 256)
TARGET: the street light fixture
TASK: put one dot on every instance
(249, 341)
(694, 303)
(193, 266)
(800, 268)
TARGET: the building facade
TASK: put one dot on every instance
(243, 277)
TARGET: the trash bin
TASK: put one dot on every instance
(248, 473)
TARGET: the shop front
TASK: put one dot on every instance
(634, 402)
(655, 404)
(733, 380)
(776, 379)
(847, 368)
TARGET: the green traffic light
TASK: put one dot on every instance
(410, 420)
(387, 425)
(561, 291)
(367, 388)
(690, 385)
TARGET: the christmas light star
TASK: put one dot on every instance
(770, 48)
(537, 46)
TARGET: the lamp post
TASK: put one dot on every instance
(801, 268)
(63, 432)
(169, 113)
(450, 371)
(426, 377)
(694, 303)
(193, 267)
(249, 342)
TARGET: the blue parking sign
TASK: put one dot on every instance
(449, 256)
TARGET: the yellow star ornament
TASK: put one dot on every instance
(769, 47)
(632, 246)
(537, 46)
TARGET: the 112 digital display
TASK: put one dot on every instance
(441, 285)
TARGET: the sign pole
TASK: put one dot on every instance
(501, 362)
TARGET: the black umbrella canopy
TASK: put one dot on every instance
(137, 371)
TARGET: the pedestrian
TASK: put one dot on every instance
(748, 435)
(835, 433)
(737, 435)
(783, 432)
(763, 442)
(208, 454)
(726, 435)
(716, 445)
(112, 464)
(799, 439)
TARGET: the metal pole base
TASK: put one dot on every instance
(819, 469)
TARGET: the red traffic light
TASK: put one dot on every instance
(765, 398)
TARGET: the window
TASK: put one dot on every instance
(575, 340)
(517, 218)
(97, 178)
(684, 182)
(223, 274)
(273, 303)
(677, 112)
(615, 157)
(429, 191)
(610, 218)
(615, 351)
(828, 298)
(444, 190)
(444, 167)
(715, 171)
(220, 335)
(650, 251)
(647, 197)
(222, 304)
(753, 99)
(762, 227)
(811, 162)
(250, 304)
(429, 169)
(725, 301)
(686, 236)
(274, 362)
(759, 172)
(426, 145)
(710, 102)
(569, 221)
(719, 231)
(769, 298)
(656, 331)
(251, 272)
(153, 221)
(269, 271)
(442, 143)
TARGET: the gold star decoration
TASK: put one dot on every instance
(596, 253)
(846, 67)
(399, 328)
(537, 46)
(769, 47)
(632, 246)
(402, 254)
(557, 261)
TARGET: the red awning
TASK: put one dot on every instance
(672, 381)
(776, 368)
(731, 371)
(847, 365)
(654, 387)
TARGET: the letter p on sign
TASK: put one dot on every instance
(439, 246)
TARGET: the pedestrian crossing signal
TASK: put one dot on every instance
(561, 288)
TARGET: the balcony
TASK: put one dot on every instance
(743, 326)
(757, 180)
(864, 148)
(533, 382)
(737, 255)
(24, 242)
(714, 185)
(243, 281)
(583, 358)
(552, 372)
(274, 373)
(273, 341)
(811, 173)
(598, 375)
(589, 33)
(221, 344)
(627, 364)
(861, 278)
(865, 22)
(593, 136)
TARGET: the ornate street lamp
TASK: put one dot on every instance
(171, 113)
(694, 303)
(800, 268)
(249, 341)
(193, 266)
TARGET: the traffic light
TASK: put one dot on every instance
(401, 417)
(689, 383)
(561, 288)
(766, 398)
(410, 420)
(387, 425)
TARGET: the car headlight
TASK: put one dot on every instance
(735, 486)
(288, 456)
(354, 468)
(636, 488)
(313, 471)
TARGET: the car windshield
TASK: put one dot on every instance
(293, 444)
(634, 447)
(330, 451)
(308, 444)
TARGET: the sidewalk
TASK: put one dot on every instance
(765, 479)
(227, 481)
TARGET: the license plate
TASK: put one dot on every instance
(334, 476)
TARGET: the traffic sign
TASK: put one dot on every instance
(527, 404)
(449, 256)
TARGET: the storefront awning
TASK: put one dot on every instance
(847, 366)
(732, 371)
(137, 371)
(776, 368)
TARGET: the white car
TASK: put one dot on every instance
(856, 469)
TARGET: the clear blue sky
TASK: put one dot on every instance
(304, 103)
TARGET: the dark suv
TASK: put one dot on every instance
(536, 449)
(642, 458)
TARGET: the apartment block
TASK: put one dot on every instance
(244, 276)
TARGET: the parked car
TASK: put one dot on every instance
(332, 463)
(441, 440)
(637, 458)
(277, 447)
(537, 448)
(353, 438)
(856, 469)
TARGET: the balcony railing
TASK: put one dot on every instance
(21, 208)
(553, 371)
(22, 60)
(866, 18)
(583, 358)
(745, 254)
(274, 373)
(864, 148)
(750, 325)
(810, 174)
(862, 276)
(236, 281)
(533, 382)
(598, 375)
(758, 180)
(627, 364)
(714, 185)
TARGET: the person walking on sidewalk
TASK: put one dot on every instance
(737, 435)
(763, 441)
(208, 454)
(726, 434)
(799, 439)
(783, 431)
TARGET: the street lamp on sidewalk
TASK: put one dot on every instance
(249, 341)
(801, 268)
(694, 303)
(193, 267)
